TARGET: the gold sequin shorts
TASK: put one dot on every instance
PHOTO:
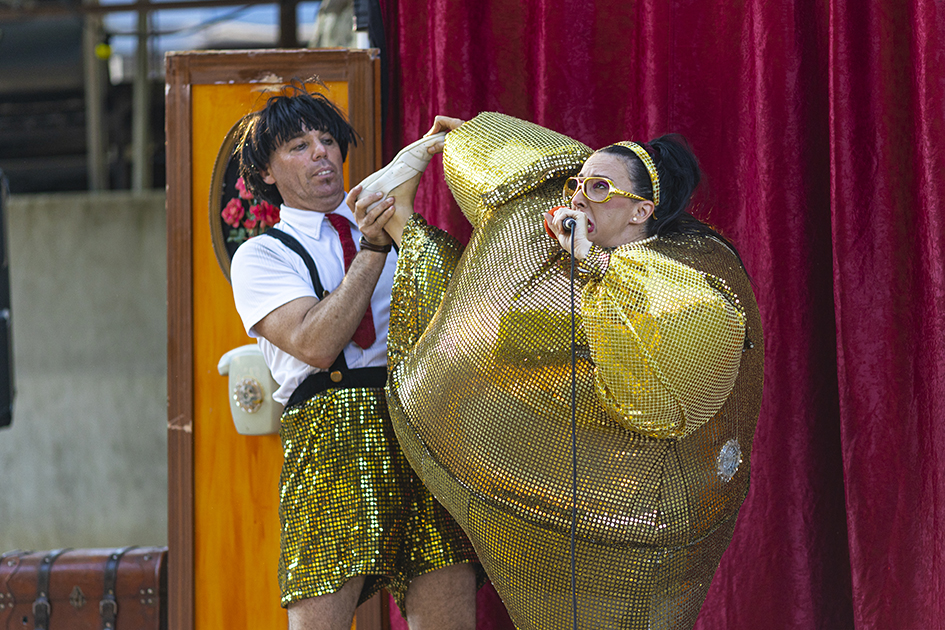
(351, 505)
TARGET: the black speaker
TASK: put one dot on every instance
(6, 323)
(361, 12)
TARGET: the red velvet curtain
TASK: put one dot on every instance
(820, 125)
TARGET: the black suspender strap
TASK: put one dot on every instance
(292, 243)
(108, 607)
(41, 608)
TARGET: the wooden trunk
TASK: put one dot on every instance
(84, 589)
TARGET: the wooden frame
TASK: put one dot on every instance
(216, 193)
(361, 70)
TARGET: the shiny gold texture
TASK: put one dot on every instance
(669, 362)
(351, 505)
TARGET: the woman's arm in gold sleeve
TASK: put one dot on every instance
(666, 340)
(495, 157)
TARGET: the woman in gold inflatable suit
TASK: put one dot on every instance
(668, 374)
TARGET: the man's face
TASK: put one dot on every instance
(307, 171)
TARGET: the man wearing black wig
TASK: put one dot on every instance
(354, 516)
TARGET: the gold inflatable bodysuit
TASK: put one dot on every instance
(669, 372)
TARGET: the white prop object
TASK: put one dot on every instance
(250, 391)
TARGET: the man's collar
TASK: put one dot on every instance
(310, 222)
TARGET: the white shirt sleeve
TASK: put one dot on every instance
(266, 275)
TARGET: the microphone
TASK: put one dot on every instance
(568, 224)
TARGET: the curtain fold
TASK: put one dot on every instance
(887, 138)
(820, 125)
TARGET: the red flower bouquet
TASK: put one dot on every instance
(244, 225)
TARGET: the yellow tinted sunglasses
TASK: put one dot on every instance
(596, 189)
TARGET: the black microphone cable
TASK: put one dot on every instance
(569, 224)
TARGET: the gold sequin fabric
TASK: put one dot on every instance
(668, 364)
(351, 505)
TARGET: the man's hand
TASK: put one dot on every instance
(372, 213)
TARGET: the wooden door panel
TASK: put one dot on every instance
(223, 487)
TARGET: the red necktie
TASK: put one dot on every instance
(364, 335)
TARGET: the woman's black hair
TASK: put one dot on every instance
(679, 175)
(286, 116)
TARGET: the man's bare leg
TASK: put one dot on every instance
(444, 599)
(327, 612)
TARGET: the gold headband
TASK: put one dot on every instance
(647, 162)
